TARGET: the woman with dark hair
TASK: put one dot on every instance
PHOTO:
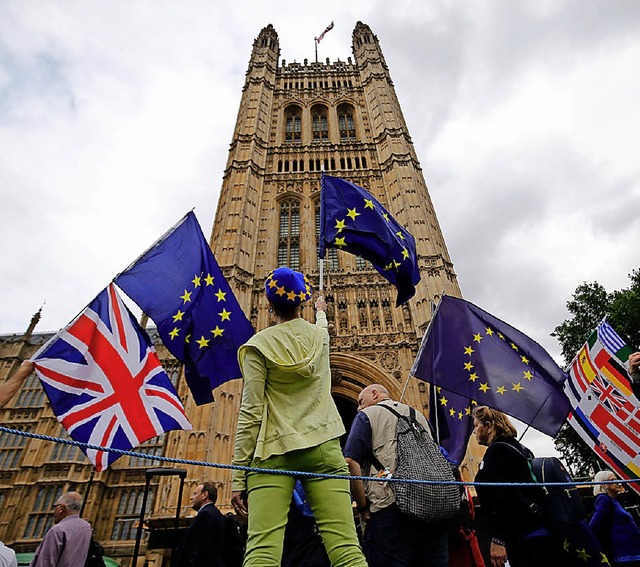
(514, 514)
(612, 525)
(288, 421)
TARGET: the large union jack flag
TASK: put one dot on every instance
(105, 382)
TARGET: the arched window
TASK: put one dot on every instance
(345, 123)
(320, 123)
(293, 132)
(289, 234)
(331, 257)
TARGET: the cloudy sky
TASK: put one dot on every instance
(116, 117)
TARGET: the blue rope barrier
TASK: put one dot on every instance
(304, 474)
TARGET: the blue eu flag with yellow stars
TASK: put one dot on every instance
(351, 219)
(451, 419)
(471, 353)
(178, 283)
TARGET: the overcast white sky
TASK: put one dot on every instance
(116, 117)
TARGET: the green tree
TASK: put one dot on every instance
(589, 305)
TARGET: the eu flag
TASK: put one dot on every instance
(352, 220)
(178, 283)
(451, 420)
(471, 353)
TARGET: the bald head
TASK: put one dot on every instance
(371, 395)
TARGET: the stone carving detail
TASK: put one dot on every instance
(389, 361)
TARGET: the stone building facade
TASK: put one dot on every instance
(294, 121)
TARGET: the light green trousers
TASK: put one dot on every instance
(270, 497)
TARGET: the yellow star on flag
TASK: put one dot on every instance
(468, 366)
(217, 331)
(477, 337)
(405, 253)
(452, 412)
(173, 334)
(203, 342)
(225, 315)
(186, 296)
(443, 401)
(468, 350)
(340, 242)
(292, 296)
(501, 336)
(517, 387)
(368, 204)
(178, 316)
(187, 339)
(527, 374)
(340, 225)
(272, 284)
(400, 235)
(196, 281)
(473, 376)
(489, 331)
(280, 291)
(484, 386)
(209, 279)
(582, 554)
(460, 416)
(524, 359)
(221, 295)
(566, 545)
(385, 216)
(513, 346)
(352, 214)
(501, 390)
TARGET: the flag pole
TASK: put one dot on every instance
(321, 285)
(156, 243)
(315, 41)
(424, 337)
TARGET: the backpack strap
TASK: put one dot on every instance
(374, 460)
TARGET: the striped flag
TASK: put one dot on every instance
(328, 29)
(605, 413)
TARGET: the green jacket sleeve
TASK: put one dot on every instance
(254, 371)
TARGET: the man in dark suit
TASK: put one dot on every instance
(204, 543)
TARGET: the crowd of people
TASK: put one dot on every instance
(289, 421)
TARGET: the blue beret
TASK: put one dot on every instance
(285, 286)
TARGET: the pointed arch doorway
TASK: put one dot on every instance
(349, 375)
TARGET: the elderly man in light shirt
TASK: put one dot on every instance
(66, 544)
(7, 556)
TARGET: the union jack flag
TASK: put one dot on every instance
(105, 382)
(608, 395)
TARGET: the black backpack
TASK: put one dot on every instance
(561, 504)
(419, 457)
(94, 555)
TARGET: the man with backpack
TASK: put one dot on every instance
(397, 533)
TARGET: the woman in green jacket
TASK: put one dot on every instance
(288, 421)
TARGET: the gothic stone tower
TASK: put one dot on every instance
(295, 120)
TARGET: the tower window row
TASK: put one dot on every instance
(322, 84)
(318, 124)
(329, 164)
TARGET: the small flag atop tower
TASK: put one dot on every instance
(328, 29)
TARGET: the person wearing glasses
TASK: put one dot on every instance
(66, 544)
(612, 525)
